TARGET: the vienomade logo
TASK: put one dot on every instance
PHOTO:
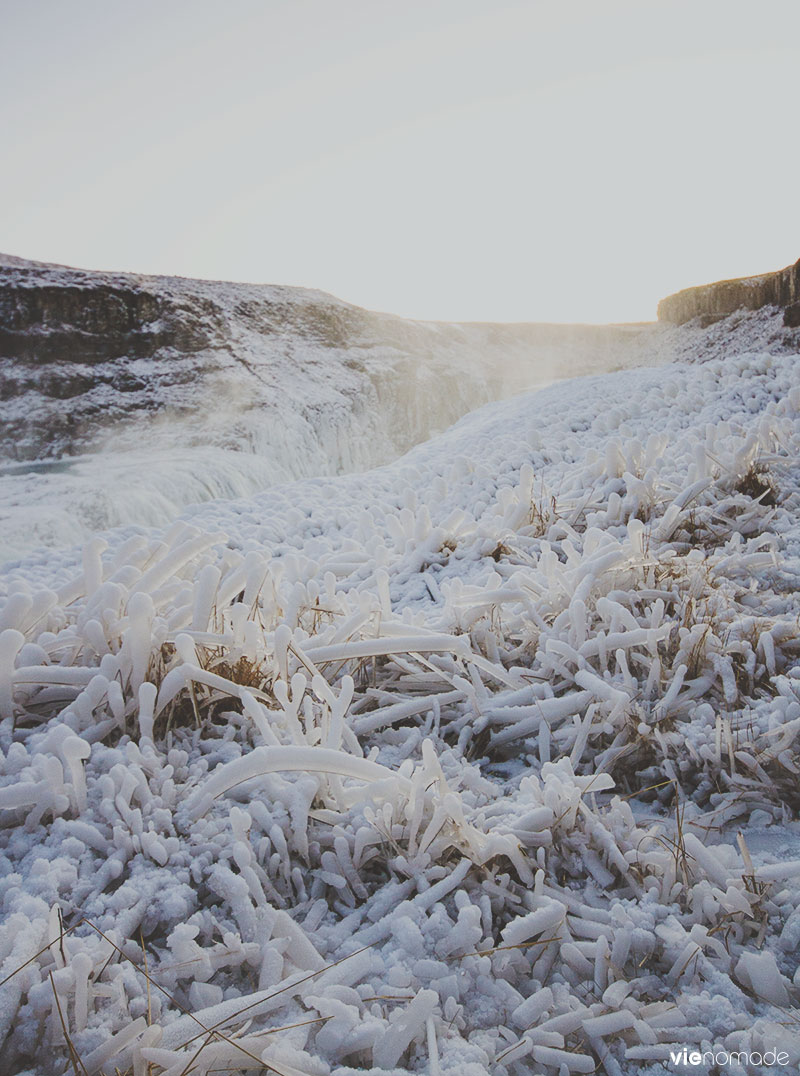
(725, 1057)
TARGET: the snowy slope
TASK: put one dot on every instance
(177, 391)
(437, 768)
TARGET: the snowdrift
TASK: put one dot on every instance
(484, 761)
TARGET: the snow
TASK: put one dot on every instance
(483, 760)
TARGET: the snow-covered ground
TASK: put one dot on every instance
(483, 761)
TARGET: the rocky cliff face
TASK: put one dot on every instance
(85, 356)
(711, 302)
(124, 398)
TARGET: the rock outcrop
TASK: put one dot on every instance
(91, 359)
(711, 302)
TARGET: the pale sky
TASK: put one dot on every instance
(574, 160)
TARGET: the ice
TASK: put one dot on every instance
(403, 1027)
(441, 767)
(760, 972)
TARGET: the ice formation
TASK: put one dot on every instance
(485, 761)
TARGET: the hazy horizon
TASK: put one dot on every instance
(445, 161)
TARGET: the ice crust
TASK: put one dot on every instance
(484, 761)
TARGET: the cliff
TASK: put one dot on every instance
(124, 398)
(710, 302)
(86, 357)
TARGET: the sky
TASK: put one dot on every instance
(481, 160)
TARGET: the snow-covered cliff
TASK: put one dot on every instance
(125, 398)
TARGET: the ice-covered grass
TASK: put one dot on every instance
(450, 767)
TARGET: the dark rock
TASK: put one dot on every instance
(791, 315)
(714, 301)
